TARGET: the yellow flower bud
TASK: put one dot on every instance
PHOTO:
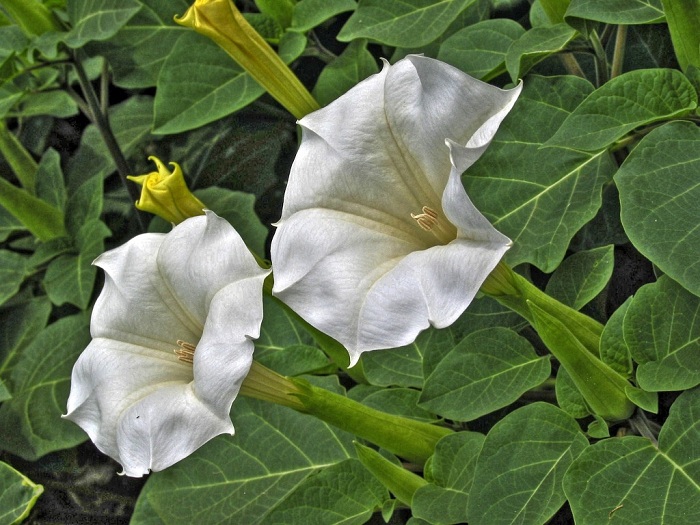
(165, 193)
(225, 25)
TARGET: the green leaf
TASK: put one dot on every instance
(19, 324)
(521, 466)
(554, 10)
(683, 18)
(8, 224)
(131, 123)
(354, 64)
(54, 103)
(13, 270)
(404, 366)
(625, 12)
(658, 198)
(4, 392)
(626, 102)
(308, 14)
(539, 197)
(279, 330)
(631, 481)
(18, 494)
(487, 370)
(30, 423)
(405, 23)
(450, 473)
(199, 83)
(614, 349)
(662, 329)
(279, 10)
(50, 186)
(84, 205)
(241, 479)
(569, 397)
(534, 46)
(294, 360)
(480, 49)
(137, 52)
(97, 19)
(582, 276)
(71, 278)
(345, 493)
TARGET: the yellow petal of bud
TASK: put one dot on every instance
(165, 193)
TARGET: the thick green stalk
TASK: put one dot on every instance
(410, 439)
(22, 163)
(407, 438)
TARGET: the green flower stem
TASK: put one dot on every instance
(401, 483)
(407, 438)
(32, 17)
(410, 439)
(601, 59)
(619, 53)
(515, 292)
(43, 220)
(102, 123)
(19, 159)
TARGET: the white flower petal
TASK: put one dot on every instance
(137, 401)
(378, 238)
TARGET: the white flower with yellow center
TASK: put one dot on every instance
(172, 342)
(378, 238)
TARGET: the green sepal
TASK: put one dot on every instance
(602, 387)
(402, 483)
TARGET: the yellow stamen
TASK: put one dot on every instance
(430, 221)
(185, 352)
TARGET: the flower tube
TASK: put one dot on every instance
(378, 238)
(172, 343)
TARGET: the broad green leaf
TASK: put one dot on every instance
(354, 64)
(4, 392)
(18, 494)
(520, 469)
(605, 228)
(614, 349)
(397, 401)
(405, 23)
(450, 473)
(138, 50)
(13, 270)
(626, 12)
(683, 18)
(131, 124)
(631, 481)
(345, 493)
(569, 397)
(658, 198)
(582, 276)
(487, 370)
(97, 19)
(199, 83)
(534, 46)
(54, 103)
(71, 278)
(12, 40)
(50, 185)
(19, 324)
(539, 197)
(279, 10)
(84, 205)
(308, 14)
(294, 360)
(279, 329)
(8, 224)
(30, 423)
(404, 366)
(241, 479)
(480, 49)
(484, 312)
(554, 9)
(626, 102)
(662, 330)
